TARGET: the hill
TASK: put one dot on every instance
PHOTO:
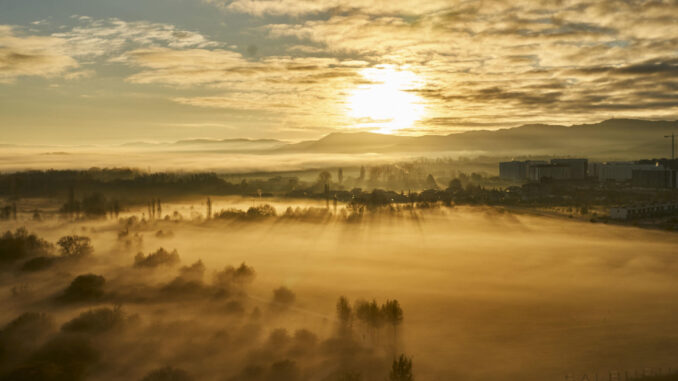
(610, 139)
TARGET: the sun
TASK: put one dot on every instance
(387, 103)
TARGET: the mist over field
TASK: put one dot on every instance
(485, 294)
(338, 190)
(21, 158)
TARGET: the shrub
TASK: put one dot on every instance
(283, 296)
(84, 288)
(96, 321)
(38, 263)
(20, 245)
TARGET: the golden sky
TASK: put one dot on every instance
(163, 70)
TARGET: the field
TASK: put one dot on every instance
(485, 294)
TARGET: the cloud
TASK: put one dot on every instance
(505, 62)
(57, 53)
(305, 7)
(32, 56)
(479, 63)
(100, 37)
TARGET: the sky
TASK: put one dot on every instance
(101, 71)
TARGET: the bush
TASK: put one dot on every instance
(265, 210)
(24, 334)
(38, 264)
(84, 288)
(64, 358)
(283, 296)
(194, 272)
(96, 321)
(20, 245)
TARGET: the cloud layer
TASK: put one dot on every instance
(479, 63)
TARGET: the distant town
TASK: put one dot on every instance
(636, 178)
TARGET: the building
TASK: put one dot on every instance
(579, 168)
(657, 177)
(644, 211)
(535, 170)
(619, 171)
(517, 170)
(551, 171)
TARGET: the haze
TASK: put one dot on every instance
(338, 190)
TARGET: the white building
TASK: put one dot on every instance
(639, 211)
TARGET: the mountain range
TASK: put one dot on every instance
(613, 139)
(610, 139)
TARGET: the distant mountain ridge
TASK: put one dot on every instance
(613, 139)
(610, 139)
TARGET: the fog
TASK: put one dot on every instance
(156, 159)
(486, 295)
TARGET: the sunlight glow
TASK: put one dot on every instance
(387, 102)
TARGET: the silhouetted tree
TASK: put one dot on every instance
(75, 246)
(431, 182)
(283, 296)
(20, 245)
(401, 370)
(94, 205)
(84, 288)
(158, 258)
(370, 314)
(96, 321)
(455, 186)
(344, 314)
(324, 178)
(393, 314)
(340, 176)
(209, 208)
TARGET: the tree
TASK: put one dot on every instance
(401, 370)
(431, 182)
(87, 287)
(455, 185)
(340, 175)
(344, 314)
(94, 205)
(370, 314)
(324, 177)
(393, 314)
(75, 246)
